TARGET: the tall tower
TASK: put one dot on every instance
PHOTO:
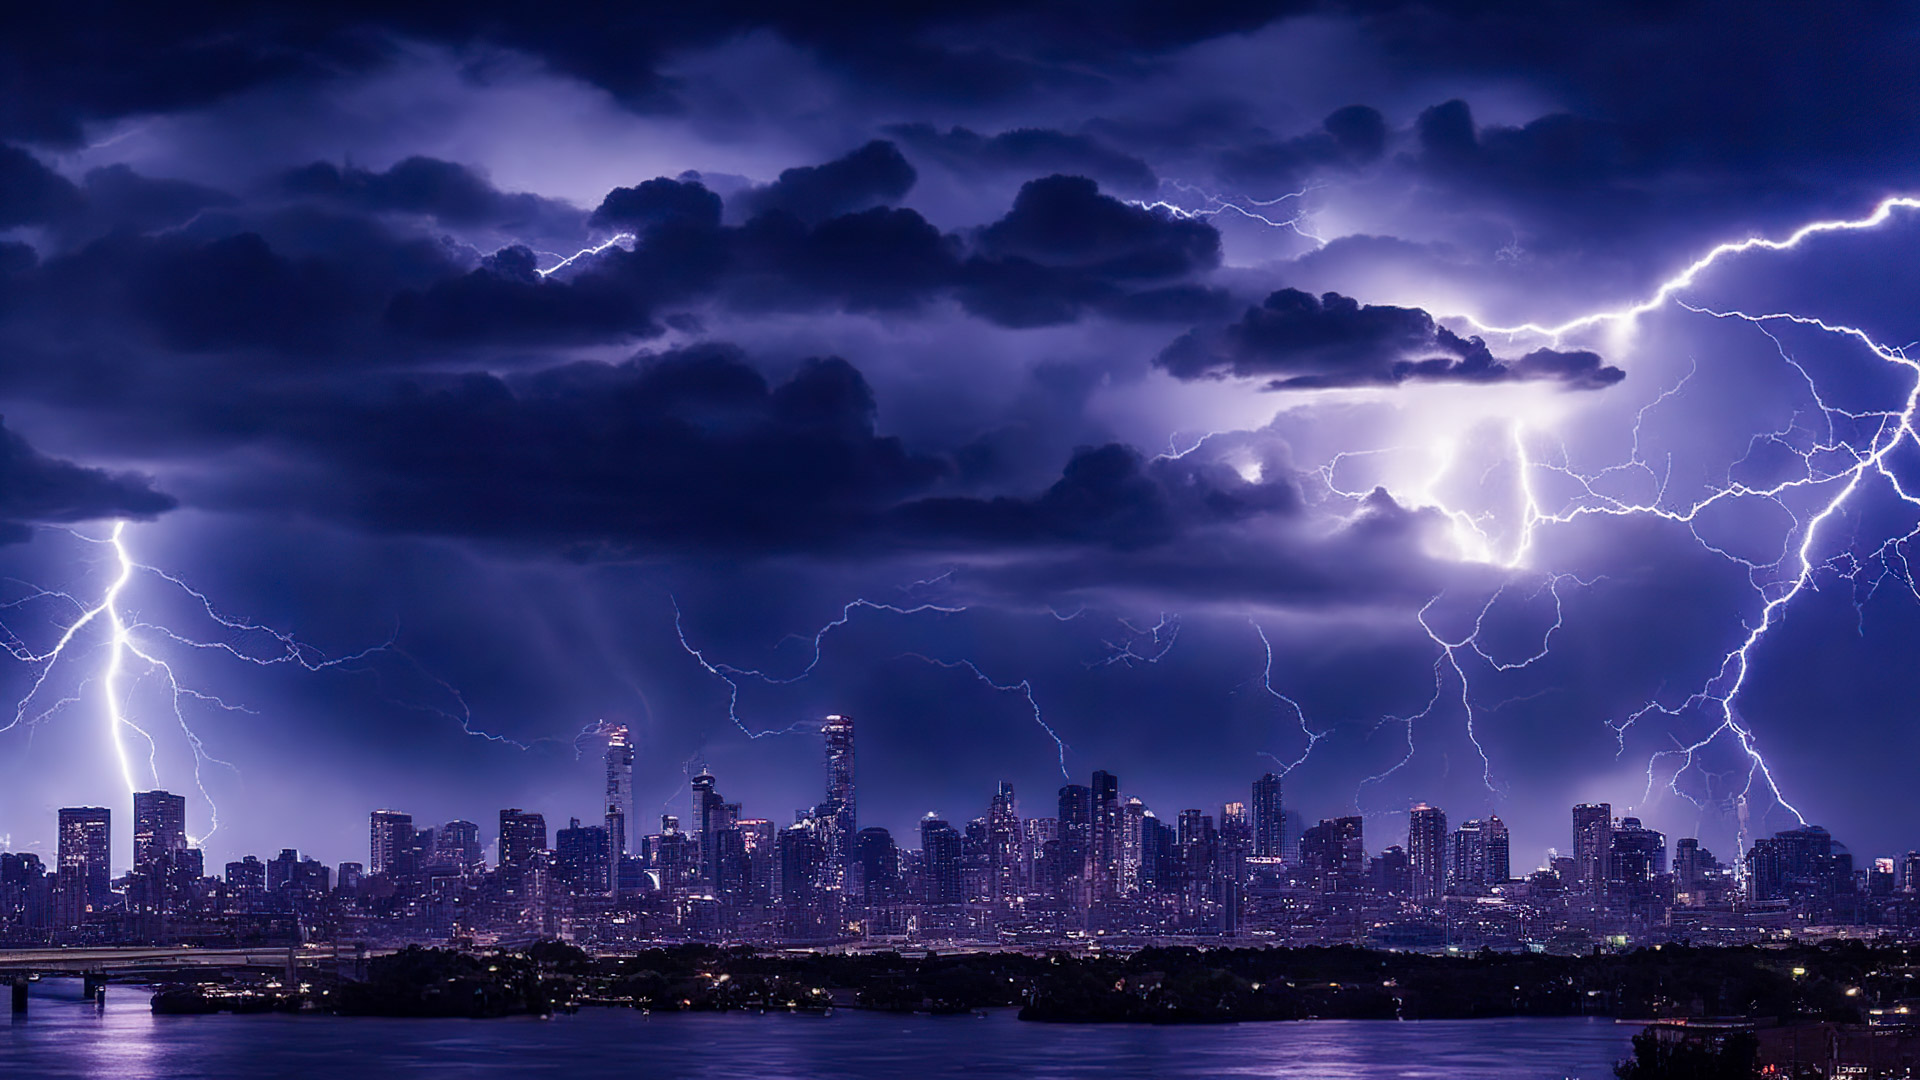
(619, 799)
(1592, 843)
(1427, 852)
(1104, 881)
(390, 844)
(159, 827)
(522, 834)
(839, 809)
(1499, 862)
(1003, 844)
(83, 882)
(707, 823)
(1269, 818)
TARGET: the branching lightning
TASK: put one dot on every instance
(1191, 203)
(129, 644)
(1843, 453)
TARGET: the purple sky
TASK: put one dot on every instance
(1349, 390)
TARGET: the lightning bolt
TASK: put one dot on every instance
(1299, 714)
(129, 643)
(1847, 452)
(618, 240)
(1191, 203)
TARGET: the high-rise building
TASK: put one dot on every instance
(580, 857)
(1479, 853)
(1133, 815)
(839, 810)
(708, 819)
(878, 859)
(1804, 865)
(1592, 842)
(1269, 819)
(159, 828)
(456, 846)
(1004, 865)
(83, 883)
(1636, 859)
(1076, 844)
(1391, 872)
(1335, 852)
(390, 848)
(1426, 853)
(247, 877)
(1499, 848)
(280, 870)
(940, 850)
(619, 799)
(1105, 855)
(521, 835)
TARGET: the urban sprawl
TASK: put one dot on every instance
(1104, 869)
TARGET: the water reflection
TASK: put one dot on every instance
(63, 1036)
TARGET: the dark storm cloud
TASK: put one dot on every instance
(1029, 151)
(192, 295)
(109, 198)
(689, 451)
(1349, 138)
(1295, 340)
(1231, 543)
(1064, 221)
(1065, 248)
(36, 489)
(694, 451)
(658, 202)
(449, 193)
(66, 67)
(1064, 251)
(874, 175)
(1108, 496)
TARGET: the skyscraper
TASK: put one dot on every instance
(619, 799)
(159, 828)
(456, 845)
(839, 810)
(390, 847)
(707, 823)
(1467, 854)
(83, 882)
(521, 835)
(580, 857)
(879, 862)
(1499, 850)
(1104, 879)
(1426, 852)
(1076, 844)
(1592, 841)
(1004, 864)
(1133, 815)
(1636, 859)
(940, 851)
(1269, 818)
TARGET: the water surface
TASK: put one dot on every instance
(65, 1037)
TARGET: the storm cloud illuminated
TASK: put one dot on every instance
(1337, 390)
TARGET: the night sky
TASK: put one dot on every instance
(1137, 368)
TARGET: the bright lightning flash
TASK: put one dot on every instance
(1851, 454)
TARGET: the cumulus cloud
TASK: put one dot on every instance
(39, 490)
(1294, 340)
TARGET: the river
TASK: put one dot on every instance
(61, 1036)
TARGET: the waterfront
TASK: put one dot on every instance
(64, 1037)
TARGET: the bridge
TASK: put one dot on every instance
(95, 966)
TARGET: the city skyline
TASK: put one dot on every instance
(1399, 400)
